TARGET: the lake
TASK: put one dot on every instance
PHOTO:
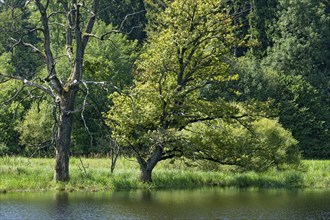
(205, 203)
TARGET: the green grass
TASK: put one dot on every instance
(36, 174)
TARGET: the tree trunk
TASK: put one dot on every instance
(145, 175)
(146, 166)
(63, 138)
(114, 152)
(64, 94)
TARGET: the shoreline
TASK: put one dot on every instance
(36, 175)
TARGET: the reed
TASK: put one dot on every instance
(36, 174)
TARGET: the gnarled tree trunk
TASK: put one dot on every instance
(146, 166)
(63, 136)
(145, 175)
(77, 27)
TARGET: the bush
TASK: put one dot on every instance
(264, 144)
(3, 149)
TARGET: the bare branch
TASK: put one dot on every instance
(120, 29)
(55, 13)
(94, 82)
(114, 153)
(133, 28)
(82, 112)
(102, 83)
(52, 77)
(15, 95)
(171, 154)
(210, 118)
(90, 23)
(34, 48)
(93, 12)
(127, 16)
(68, 34)
(83, 167)
(30, 83)
(47, 4)
(72, 112)
(23, 98)
(40, 146)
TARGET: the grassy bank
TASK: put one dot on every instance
(17, 173)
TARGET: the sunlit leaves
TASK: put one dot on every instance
(110, 59)
(192, 43)
(10, 112)
(263, 144)
(37, 125)
(188, 51)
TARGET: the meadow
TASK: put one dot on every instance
(93, 174)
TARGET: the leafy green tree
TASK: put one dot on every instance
(292, 98)
(261, 18)
(301, 50)
(78, 21)
(301, 39)
(184, 54)
(191, 50)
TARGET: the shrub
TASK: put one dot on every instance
(261, 145)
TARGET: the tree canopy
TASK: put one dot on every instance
(244, 83)
(189, 51)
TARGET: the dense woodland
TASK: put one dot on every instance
(244, 83)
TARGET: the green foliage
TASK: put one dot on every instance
(300, 55)
(261, 18)
(36, 128)
(185, 54)
(261, 145)
(110, 59)
(109, 62)
(317, 170)
(6, 66)
(184, 74)
(10, 112)
(126, 15)
(301, 40)
(168, 107)
(14, 24)
(296, 102)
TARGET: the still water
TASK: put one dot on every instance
(206, 203)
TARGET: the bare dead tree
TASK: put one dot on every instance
(63, 93)
(78, 30)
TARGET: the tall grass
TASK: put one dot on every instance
(318, 173)
(36, 174)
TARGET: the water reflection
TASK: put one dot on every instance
(61, 205)
(145, 196)
(210, 203)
